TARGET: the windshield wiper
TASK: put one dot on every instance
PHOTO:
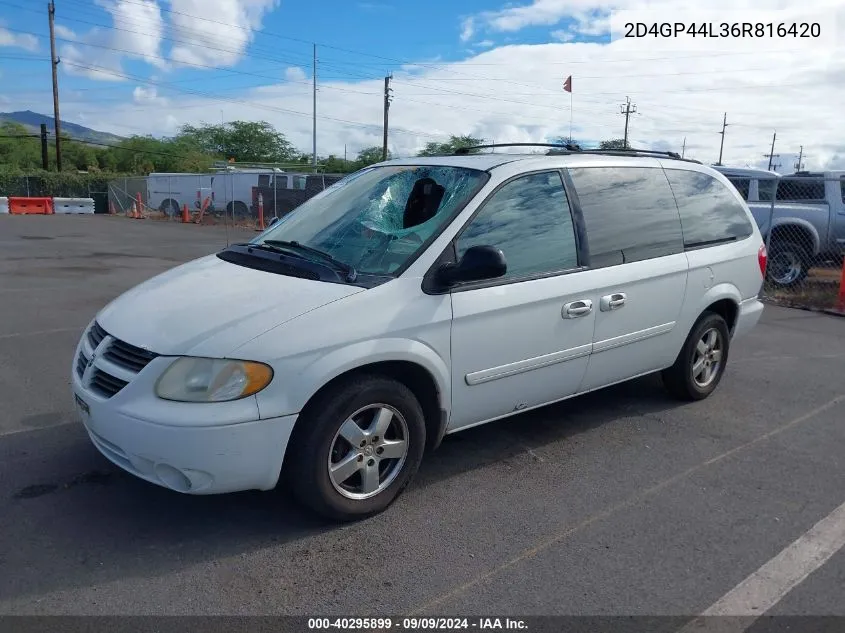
(347, 269)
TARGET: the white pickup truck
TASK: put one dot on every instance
(807, 222)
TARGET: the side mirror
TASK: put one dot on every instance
(477, 264)
(274, 220)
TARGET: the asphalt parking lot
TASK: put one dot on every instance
(622, 502)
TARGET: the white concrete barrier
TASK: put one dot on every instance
(4, 205)
(73, 205)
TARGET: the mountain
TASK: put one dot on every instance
(32, 121)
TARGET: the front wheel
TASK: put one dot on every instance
(356, 448)
(701, 363)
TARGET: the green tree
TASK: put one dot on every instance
(243, 141)
(563, 140)
(369, 156)
(454, 142)
(19, 149)
(614, 143)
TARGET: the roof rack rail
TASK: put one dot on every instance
(576, 149)
(567, 146)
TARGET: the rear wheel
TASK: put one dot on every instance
(789, 263)
(239, 210)
(356, 448)
(169, 207)
(699, 367)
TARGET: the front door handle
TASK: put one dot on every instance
(613, 302)
(576, 309)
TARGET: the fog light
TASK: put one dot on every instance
(173, 478)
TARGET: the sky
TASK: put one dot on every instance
(490, 68)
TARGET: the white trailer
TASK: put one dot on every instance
(229, 189)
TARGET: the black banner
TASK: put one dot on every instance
(532, 624)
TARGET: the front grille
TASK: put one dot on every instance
(95, 335)
(81, 363)
(128, 356)
(105, 384)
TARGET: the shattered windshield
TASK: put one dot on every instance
(377, 219)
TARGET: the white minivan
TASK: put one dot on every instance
(412, 299)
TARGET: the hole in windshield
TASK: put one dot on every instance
(378, 219)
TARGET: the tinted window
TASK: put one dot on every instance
(801, 189)
(766, 189)
(264, 181)
(629, 213)
(842, 186)
(709, 211)
(529, 220)
(741, 185)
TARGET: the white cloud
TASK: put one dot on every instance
(485, 44)
(18, 40)
(295, 73)
(98, 54)
(210, 42)
(467, 29)
(513, 93)
(143, 95)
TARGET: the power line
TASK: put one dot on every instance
(248, 103)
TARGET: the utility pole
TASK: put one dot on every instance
(771, 155)
(387, 92)
(722, 144)
(54, 62)
(627, 109)
(684, 147)
(314, 122)
(45, 160)
(798, 165)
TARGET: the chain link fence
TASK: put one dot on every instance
(231, 197)
(802, 219)
(66, 186)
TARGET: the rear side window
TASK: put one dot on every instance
(529, 220)
(709, 211)
(629, 212)
(796, 189)
(741, 185)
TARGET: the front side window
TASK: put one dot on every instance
(629, 212)
(379, 218)
(529, 220)
(709, 211)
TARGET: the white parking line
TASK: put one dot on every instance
(625, 504)
(40, 332)
(38, 428)
(763, 589)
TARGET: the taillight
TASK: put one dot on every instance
(762, 259)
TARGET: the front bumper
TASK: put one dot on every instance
(191, 459)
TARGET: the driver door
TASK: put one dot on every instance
(522, 340)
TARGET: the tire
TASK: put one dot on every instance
(169, 207)
(319, 441)
(789, 263)
(239, 210)
(681, 379)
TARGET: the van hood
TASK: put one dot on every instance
(209, 307)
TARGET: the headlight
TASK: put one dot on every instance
(212, 380)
